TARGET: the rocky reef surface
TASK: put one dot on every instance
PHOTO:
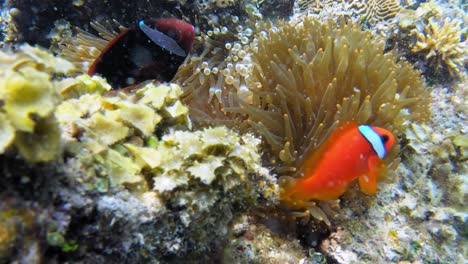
(191, 170)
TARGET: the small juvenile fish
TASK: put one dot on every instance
(351, 152)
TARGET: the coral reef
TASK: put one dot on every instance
(140, 141)
(174, 172)
(197, 195)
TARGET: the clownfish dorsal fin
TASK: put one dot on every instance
(162, 39)
(311, 162)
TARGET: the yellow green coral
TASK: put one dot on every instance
(7, 132)
(190, 154)
(28, 94)
(96, 124)
(117, 134)
(29, 97)
(192, 170)
(41, 145)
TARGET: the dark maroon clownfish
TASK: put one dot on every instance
(151, 50)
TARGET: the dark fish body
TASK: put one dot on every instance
(151, 50)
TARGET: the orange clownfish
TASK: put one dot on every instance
(351, 152)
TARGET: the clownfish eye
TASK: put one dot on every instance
(384, 138)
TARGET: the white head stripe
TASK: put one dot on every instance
(374, 139)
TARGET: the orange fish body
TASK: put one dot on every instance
(351, 152)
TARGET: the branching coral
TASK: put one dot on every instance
(437, 44)
(443, 46)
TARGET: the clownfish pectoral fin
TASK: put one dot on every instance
(162, 40)
(368, 181)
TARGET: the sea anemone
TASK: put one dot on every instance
(311, 77)
(308, 78)
(85, 47)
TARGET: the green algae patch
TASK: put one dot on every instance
(105, 130)
(145, 156)
(177, 109)
(29, 98)
(121, 169)
(28, 94)
(140, 117)
(7, 132)
(41, 145)
(82, 84)
(205, 171)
